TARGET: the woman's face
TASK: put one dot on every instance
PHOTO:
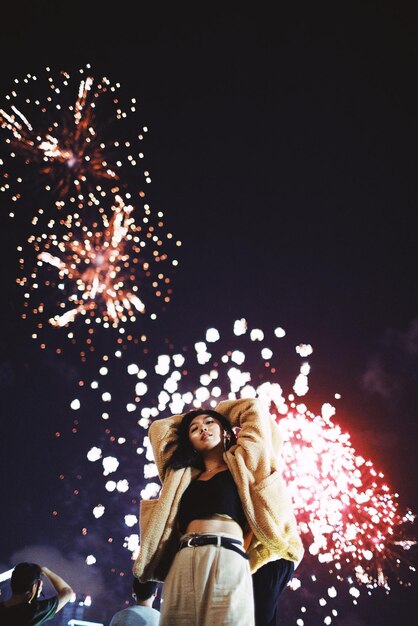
(205, 433)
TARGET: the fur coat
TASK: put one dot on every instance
(254, 462)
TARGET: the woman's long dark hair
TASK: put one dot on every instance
(185, 455)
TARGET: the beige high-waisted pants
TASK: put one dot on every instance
(208, 586)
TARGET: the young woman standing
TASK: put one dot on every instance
(223, 512)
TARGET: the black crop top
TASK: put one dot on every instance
(204, 498)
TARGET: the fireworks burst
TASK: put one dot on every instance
(103, 256)
(102, 272)
(74, 139)
(354, 534)
(344, 507)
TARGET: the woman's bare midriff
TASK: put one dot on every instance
(216, 524)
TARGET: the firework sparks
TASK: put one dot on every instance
(99, 272)
(355, 536)
(69, 139)
(99, 278)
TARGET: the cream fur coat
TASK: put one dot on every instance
(254, 463)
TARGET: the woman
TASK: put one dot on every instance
(223, 512)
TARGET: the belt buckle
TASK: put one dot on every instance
(190, 539)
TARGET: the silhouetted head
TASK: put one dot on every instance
(24, 576)
(143, 591)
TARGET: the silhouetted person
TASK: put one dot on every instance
(142, 614)
(268, 584)
(24, 608)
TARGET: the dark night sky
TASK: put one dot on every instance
(283, 151)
